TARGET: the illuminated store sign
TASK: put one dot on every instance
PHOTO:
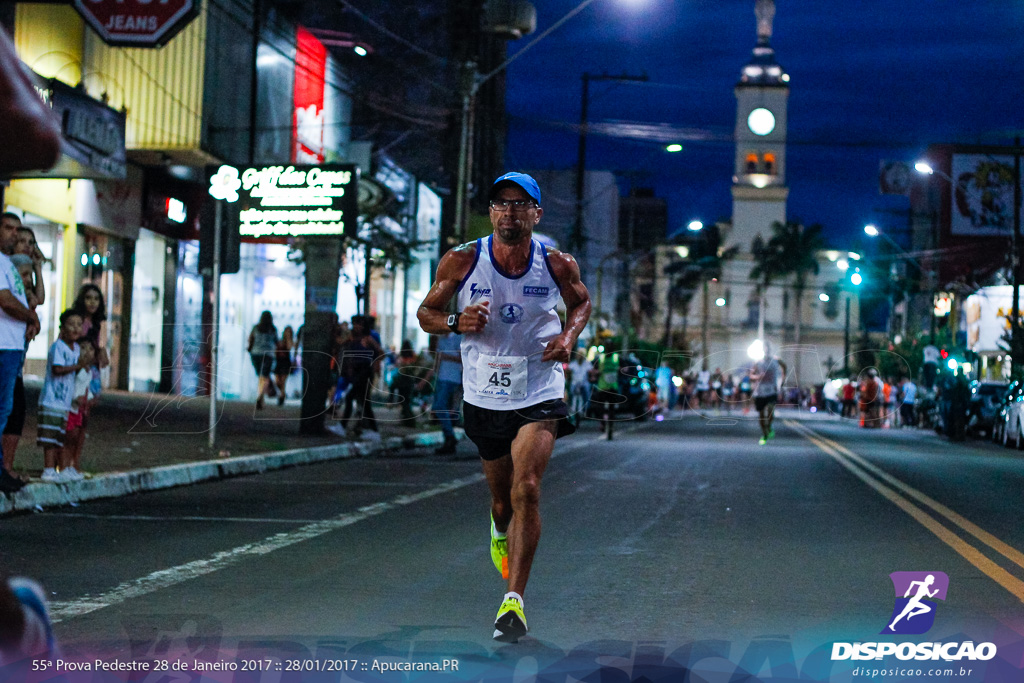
(285, 201)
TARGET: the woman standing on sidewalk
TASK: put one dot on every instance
(262, 349)
(283, 365)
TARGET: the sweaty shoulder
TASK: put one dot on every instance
(456, 262)
(563, 265)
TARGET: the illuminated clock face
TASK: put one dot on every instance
(761, 121)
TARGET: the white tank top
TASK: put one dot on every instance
(502, 368)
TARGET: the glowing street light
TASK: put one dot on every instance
(674, 148)
(856, 279)
(695, 226)
(823, 297)
(720, 301)
(756, 350)
(922, 167)
(871, 230)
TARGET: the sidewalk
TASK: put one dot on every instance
(142, 442)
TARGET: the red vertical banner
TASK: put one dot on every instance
(308, 120)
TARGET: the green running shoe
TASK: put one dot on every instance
(499, 551)
(763, 441)
(771, 434)
(510, 624)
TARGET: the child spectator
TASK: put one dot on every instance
(82, 398)
(90, 305)
(55, 400)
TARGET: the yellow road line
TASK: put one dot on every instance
(1008, 581)
(1006, 550)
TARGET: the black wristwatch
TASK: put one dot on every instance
(453, 322)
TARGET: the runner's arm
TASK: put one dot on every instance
(577, 305)
(433, 312)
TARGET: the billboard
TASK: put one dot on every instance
(287, 201)
(982, 195)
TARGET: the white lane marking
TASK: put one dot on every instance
(297, 482)
(165, 578)
(175, 518)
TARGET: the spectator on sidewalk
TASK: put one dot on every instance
(18, 323)
(447, 385)
(360, 359)
(908, 403)
(93, 308)
(830, 394)
(580, 387)
(850, 398)
(28, 246)
(870, 395)
(283, 363)
(262, 346)
(404, 381)
(74, 438)
(62, 363)
(16, 422)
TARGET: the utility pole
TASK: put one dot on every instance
(577, 236)
(1015, 360)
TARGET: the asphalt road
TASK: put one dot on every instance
(680, 543)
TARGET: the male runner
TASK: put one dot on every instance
(767, 376)
(506, 288)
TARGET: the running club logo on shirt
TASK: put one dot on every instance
(511, 313)
(475, 292)
(914, 612)
(535, 291)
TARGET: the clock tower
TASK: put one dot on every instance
(759, 189)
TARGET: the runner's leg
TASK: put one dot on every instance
(531, 452)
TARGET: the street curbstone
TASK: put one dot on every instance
(38, 496)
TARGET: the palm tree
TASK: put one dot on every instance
(766, 269)
(797, 249)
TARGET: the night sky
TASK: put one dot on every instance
(870, 80)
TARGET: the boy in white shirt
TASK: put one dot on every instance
(55, 400)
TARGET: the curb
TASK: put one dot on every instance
(36, 496)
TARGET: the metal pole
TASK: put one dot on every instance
(468, 87)
(576, 236)
(215, 334)
(846, 338)
(704, 329)
(1015, 359)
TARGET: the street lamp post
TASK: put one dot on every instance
(873, 231)
(472, 81)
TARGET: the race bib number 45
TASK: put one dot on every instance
(501, 376)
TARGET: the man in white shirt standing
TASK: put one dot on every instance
(17, 323)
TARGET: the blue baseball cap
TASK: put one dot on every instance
(524, 181)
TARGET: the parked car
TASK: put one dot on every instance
(986, 399)
(1008, 424)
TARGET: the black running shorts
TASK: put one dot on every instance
(762, 402)
(494, 430)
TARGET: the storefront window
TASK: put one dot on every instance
(267, 281)
(147, 312)
(188, 317)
